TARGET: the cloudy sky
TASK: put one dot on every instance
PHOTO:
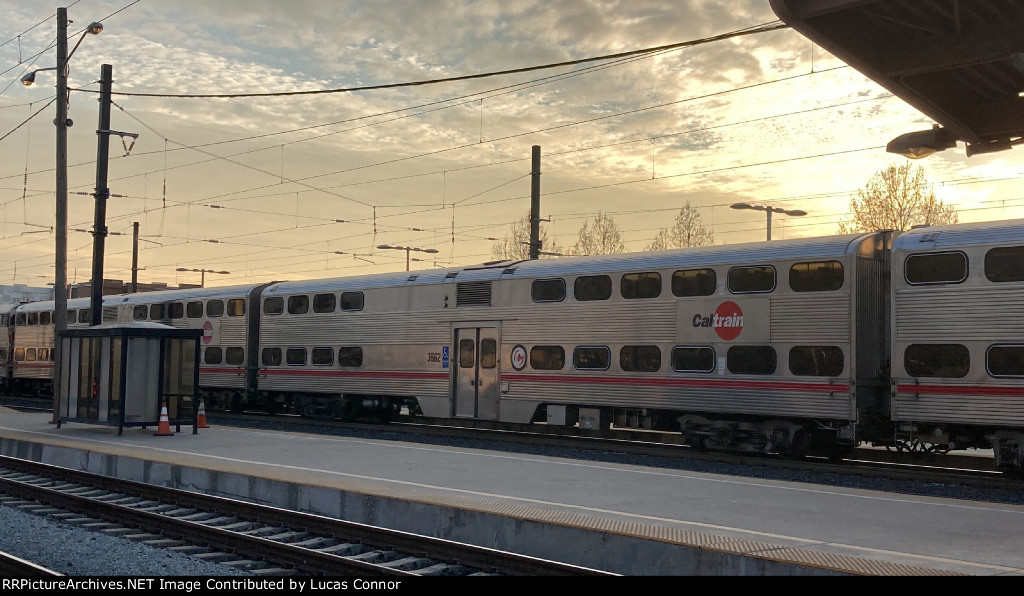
(274, 187)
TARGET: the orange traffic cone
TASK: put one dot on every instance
(201, 416)
(164, 428)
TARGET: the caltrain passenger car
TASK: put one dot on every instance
(30, 344)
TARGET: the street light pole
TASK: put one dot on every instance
(60, 274)
(768, 209)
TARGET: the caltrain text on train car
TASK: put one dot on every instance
(727, 320)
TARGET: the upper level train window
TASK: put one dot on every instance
(215, 308)
(641, 285)
(743, 280)
(751, 360)
(19, 319)
(324, 303)
(72, 316)
(271, 357)
(547, 357)
(488, 353)
(548, 290)
(323, 356)
(592, 287)
(295, 356)
(816, 361)
(937, 360)
(298, 305)
(3, 354)
(273, 306)
(597, 358)
(350, 356)
(1005, 263)
(236, 307)
(176, 310)
(693, 359)
(140, 312)
(694, 282)
(819, 276)
(236, 356)
(156, 312)
(33, 318)
(640, 358)
(936, 268)
(194, 309)
(44, 317)
(1005, 361)
(351, 301)
(212, 355)
(85, 315)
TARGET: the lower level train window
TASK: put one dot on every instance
(30, 354)
(44, 354)
(937, 360)
(693, 359)
(816, 361)
(213, 355)
(350, 356)
(236, 356)
(271, 357)
(3, 355)
(19, 354)
(295, 356)
(595, 358)
(1005, 361)
(323, 356)
(547, 357)
(640, 358)
(751, 360)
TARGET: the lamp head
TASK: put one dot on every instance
(29, 78)
(95, 27)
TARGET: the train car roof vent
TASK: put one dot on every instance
(412, 278)
(451, 275)
(509, 270)
(473, 293)
(929, 237)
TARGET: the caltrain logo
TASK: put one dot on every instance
(727, 320)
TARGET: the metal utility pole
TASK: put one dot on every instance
(535, 205)
(99, 231)
(135, 257)
(60, 274)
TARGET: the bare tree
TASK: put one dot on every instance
(600, 238)
(516, 245)
(688, 230)
(897, 198)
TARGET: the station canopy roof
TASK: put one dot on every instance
(959, 62)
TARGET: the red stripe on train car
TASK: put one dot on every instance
(961, 390)
(381, 374)
(694, 383)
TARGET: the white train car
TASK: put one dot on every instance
(6, 338)
(224, 316)
(31, 344)
(958, 338)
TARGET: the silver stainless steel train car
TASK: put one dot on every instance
(30, 344)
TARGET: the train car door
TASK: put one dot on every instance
(476, 372)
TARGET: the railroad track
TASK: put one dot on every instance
(261, 540)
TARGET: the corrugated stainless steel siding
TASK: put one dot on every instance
(811, 319)
(960, 313)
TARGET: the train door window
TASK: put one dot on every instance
(156, 312)
(19, 354)
(85, 315)
(295, 356)
(235, 356)
(749, 280)
(140, 312)
(19, 319)
(30, 354)
(488, 353)
(194, 309)
(640, 285)
(215, 308)
(819, 276)
(694, 282)
(591, 358)
(271, 357)
(1005, 263)
(592, 287)
(816, 361)
(936, 268)
(467, 355)
(640, 358)
(351, 301)
(1005, 361)
(324, 303)
(751, 360)
(937, 360)
(213, 355)
(548, 290)
(273, 306)
(33, 318)
(547, 357)
(693, 359)
(176, 310)
(236, 307)
(323, 356)
(298, 305)
(44, 317)
(351, 357)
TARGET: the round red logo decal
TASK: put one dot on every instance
(728, 320)
(207, 332)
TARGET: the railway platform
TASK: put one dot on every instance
(628, 519)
